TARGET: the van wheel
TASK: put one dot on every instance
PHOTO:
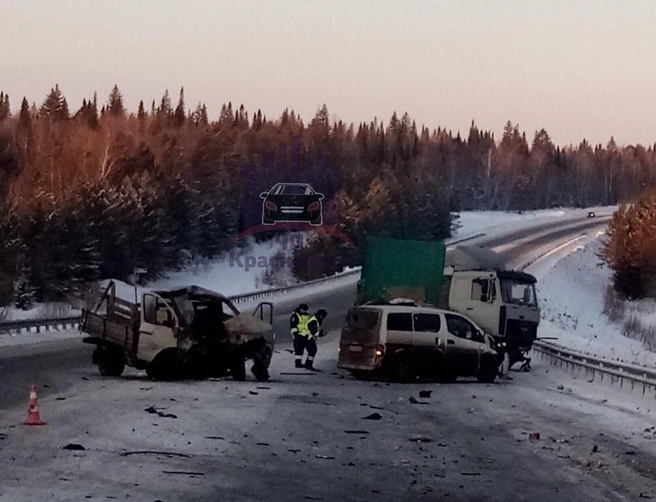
(404, 371)
(110, 361)
(488, 376)
(448, 377)
(361, 375)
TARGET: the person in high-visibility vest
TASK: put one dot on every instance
(314, 328)
(299, 329)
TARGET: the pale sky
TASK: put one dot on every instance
(578, 68)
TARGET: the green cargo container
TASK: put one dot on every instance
(401, 269)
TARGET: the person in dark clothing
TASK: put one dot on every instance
(299, 329)
(314, 327)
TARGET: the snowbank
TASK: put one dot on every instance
(571, 296)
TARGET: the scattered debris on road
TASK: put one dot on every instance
(414, 401)
(425, 393)
(533, 437)
(75, 447)
(185, 473)
(373, 416)
(220, 438)
(325, 457)
(421, 439)
(356, 432)
(155, 411)
(253, 393)
(153, 452)
(470, 473)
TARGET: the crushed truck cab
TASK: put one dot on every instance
(188, 332)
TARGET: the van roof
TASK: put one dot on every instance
(402, 308)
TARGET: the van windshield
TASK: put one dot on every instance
(518, 292)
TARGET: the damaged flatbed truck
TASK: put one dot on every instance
(181, 333)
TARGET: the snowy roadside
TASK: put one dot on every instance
(571, 287)
(28, 338)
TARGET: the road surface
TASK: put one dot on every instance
(304, 436)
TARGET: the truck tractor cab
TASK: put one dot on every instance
(503, 302)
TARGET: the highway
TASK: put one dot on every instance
(58, 365)
(304, 436)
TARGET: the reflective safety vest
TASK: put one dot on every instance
(303, 321)
(314, 318)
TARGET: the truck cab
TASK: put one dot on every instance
(503, 302)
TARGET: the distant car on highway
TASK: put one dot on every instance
(591, 214)
(287, 202)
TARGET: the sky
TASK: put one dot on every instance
(579, 69)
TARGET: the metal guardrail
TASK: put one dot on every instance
(616, 371)
(38, 325)
(72, 322)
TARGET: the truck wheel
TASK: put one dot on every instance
(238, 369)
(110, 361)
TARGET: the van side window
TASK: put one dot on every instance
(399, 322)
(427, 323)
(462, 328)
(150, 309)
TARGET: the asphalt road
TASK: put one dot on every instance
(55, 366)
(304, 436)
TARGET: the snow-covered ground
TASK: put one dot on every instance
(231, 274)
(571, 287)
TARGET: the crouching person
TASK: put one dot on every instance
(315, 328)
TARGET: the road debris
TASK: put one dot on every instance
(185, 473)
(425, 393)
(470, 473)
(75, 447)
(595, 449)
(155, 411)
(356, 432)
(220, 438)
(373, 416)
(325, 457)
(253, 393)
(414, 401)
(421, 439)
(153, 452)
(533, 437)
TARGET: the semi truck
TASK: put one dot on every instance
(188, 332)
(471, 280)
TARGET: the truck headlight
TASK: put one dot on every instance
(379, 353)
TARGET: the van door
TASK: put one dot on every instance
(157, 329)
(467, 347)
(426, 340)
(360, 340)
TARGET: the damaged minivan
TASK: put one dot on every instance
(410, 341)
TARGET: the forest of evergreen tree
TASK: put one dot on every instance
(94, 193)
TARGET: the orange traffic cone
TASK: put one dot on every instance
(33, 417)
